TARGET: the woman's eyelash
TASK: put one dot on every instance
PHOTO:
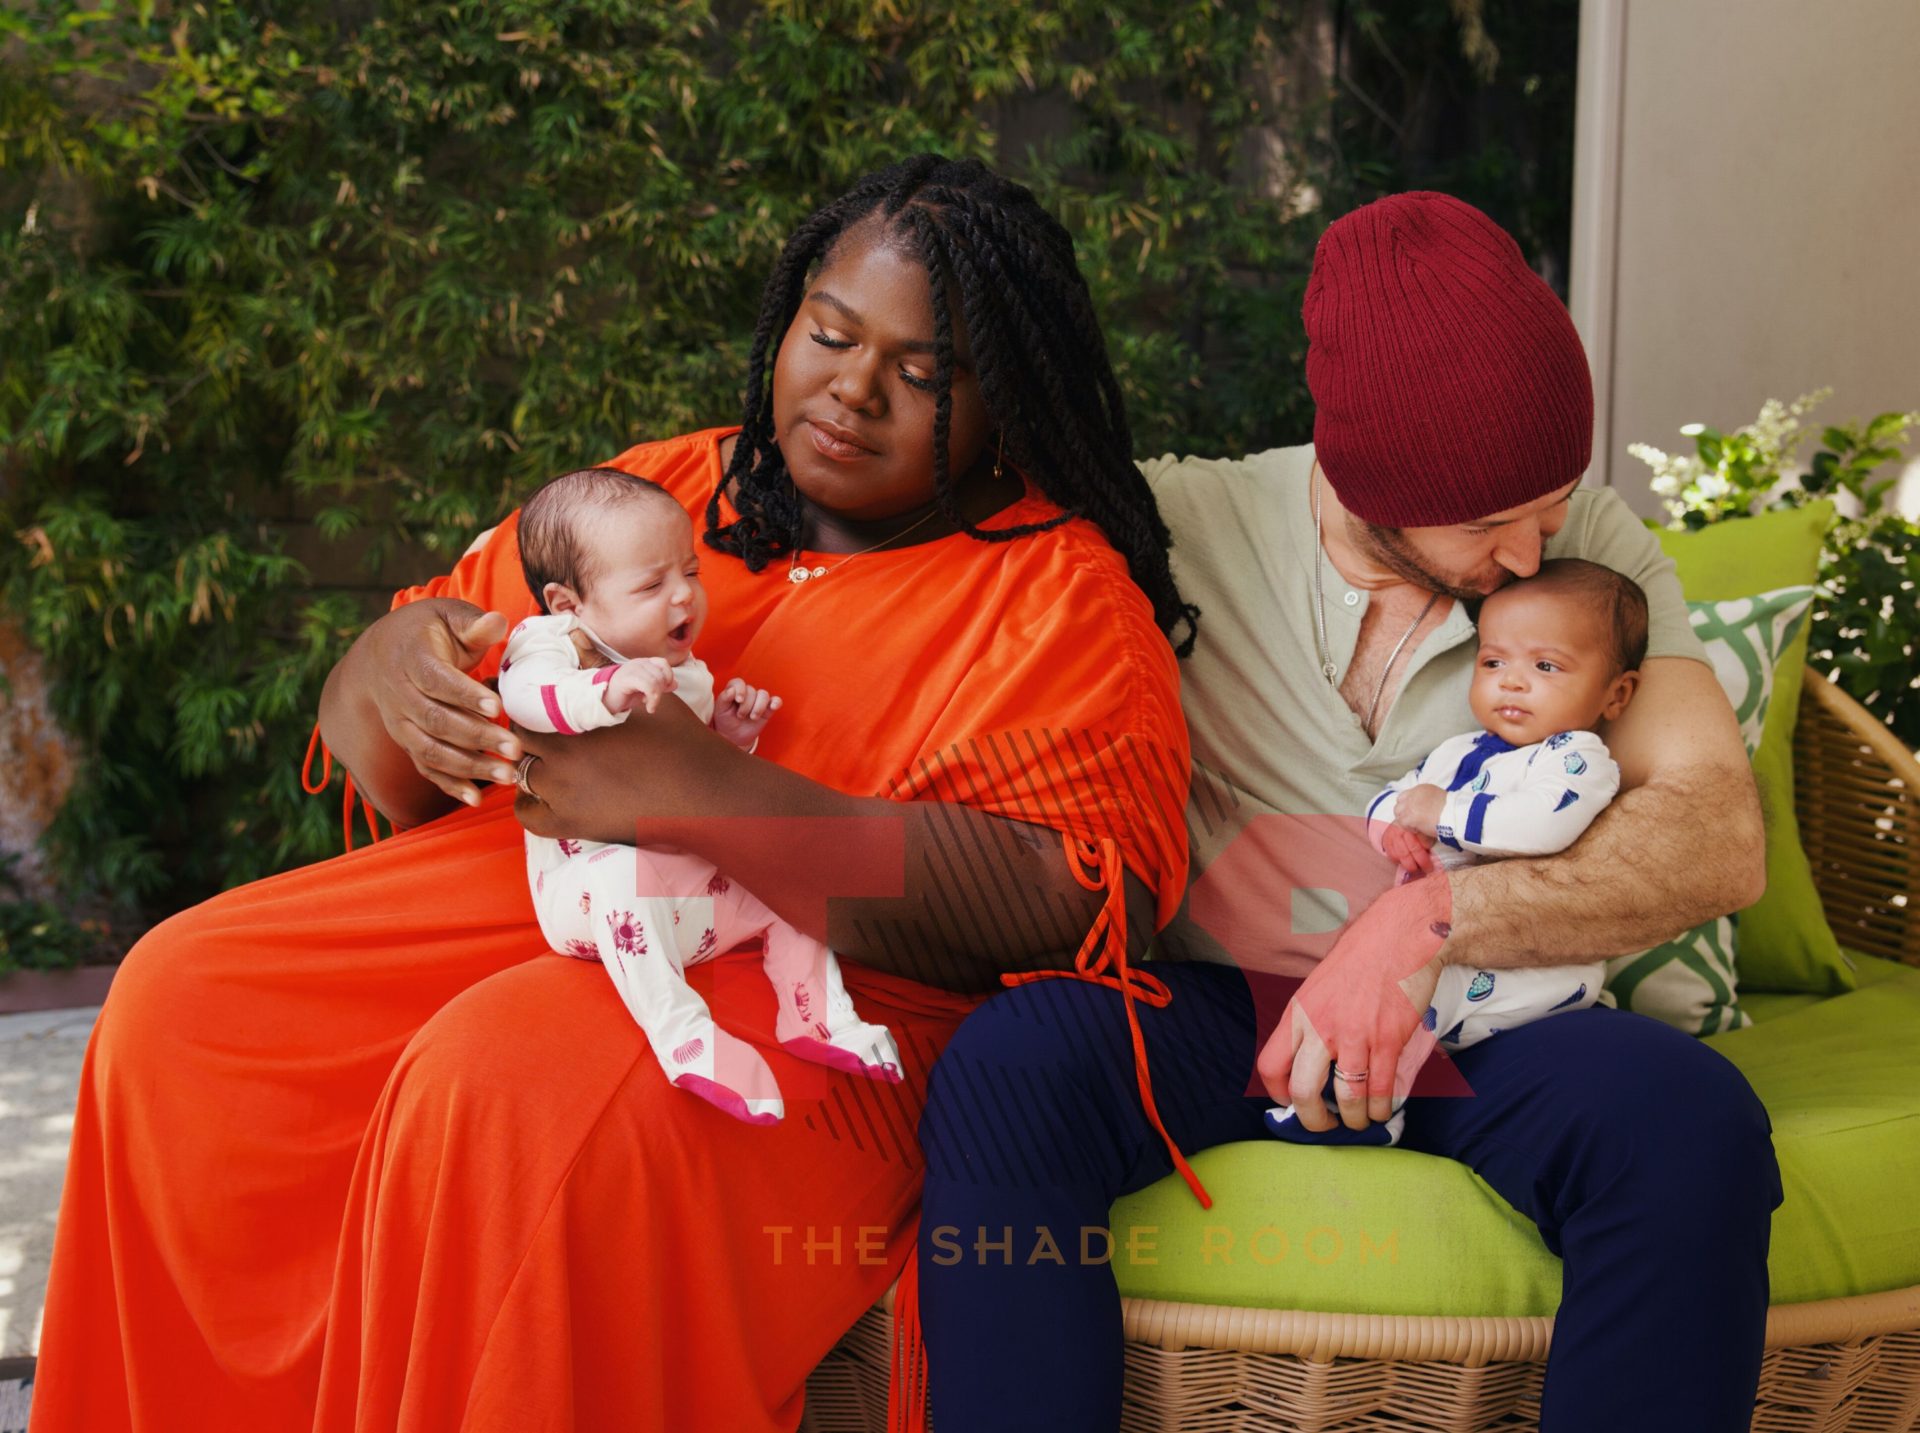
(912, 380)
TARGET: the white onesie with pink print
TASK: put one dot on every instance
(646, 915)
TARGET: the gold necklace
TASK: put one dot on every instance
(797, 574)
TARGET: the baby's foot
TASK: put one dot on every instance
(858, 1048)
(803, 1010)
(727, 1073)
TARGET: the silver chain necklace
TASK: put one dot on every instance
(1328, 668)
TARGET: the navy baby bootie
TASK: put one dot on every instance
(1283, 1123)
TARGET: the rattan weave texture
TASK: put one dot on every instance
(1857, 794)
(1839, 1380)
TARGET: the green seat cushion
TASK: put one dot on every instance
(1771, 1004)
(1389, 1231)
(1841, 1084)
(1763, 1005)
(1356, 1231)
(1872, 969)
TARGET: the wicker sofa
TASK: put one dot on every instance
(1845, 1363)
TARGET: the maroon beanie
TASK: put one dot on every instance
(1447, 378)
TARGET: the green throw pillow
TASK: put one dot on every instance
(1690, 981)
(1785, 943)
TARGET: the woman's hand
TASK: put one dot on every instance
(601, 785)
(416, 661)
(1361, 1009)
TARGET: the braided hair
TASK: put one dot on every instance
(1038, 353)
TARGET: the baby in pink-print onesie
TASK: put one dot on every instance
(611, 560)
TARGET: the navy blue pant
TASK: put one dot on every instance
(1642, 1155)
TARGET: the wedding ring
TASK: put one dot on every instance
(520, 770)
(1352, 1077)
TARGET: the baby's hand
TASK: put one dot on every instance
(740, 712)
(643, 681)
(1409, 850)
(1418, 808)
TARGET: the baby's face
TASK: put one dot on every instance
(1546, 665)
(643, 597)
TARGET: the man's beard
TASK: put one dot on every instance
(1389, 547)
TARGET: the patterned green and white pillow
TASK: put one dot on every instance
(1745, 637)
(1689, 982)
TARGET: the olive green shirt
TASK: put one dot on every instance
(1270, 735)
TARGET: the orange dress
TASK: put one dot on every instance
(352, 1152)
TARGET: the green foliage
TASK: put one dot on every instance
(1866, 628)
(1471, 97)
(380, 268)
(39, 935)
(1866, 621)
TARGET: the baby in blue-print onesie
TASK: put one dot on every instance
(1559, 653)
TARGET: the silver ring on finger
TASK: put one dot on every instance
(520, 770)
(1352, 1077)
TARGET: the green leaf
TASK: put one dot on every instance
(1887, 427)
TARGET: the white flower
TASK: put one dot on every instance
(1807, 402)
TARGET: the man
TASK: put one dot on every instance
(1454, 419)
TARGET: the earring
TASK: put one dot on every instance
(1000, 458)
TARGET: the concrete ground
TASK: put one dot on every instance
(40, 1056)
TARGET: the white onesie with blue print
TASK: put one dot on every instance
(1502, 801)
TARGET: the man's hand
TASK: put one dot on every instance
(642, 681)
(1409, 849)
(740, 712)
(1362, 1009)
(1418, 809)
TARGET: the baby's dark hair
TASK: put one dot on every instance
(1038, 354)
(1615, 594)
(552, 539)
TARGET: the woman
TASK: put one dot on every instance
(352, 1153)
